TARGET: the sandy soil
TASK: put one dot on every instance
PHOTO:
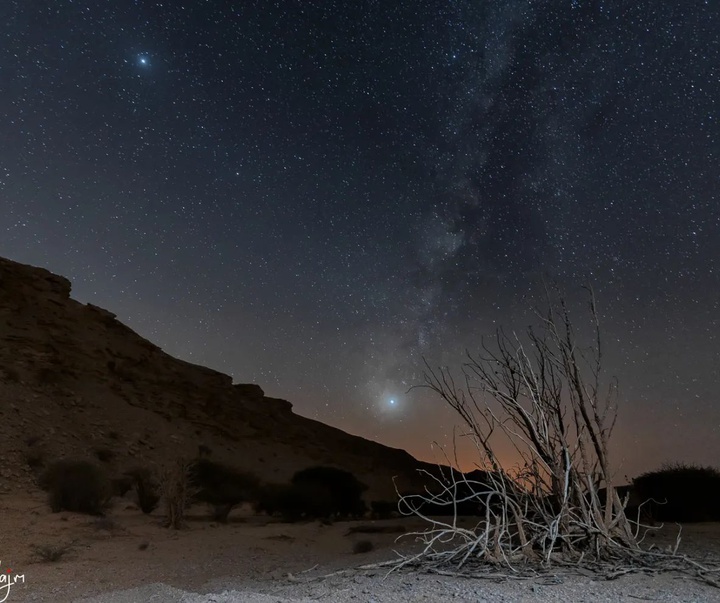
(128, 557)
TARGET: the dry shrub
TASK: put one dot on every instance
(329, 491)
(177, 492)
(314, 493)
(682, 493)
(76, 485)
(542, 394)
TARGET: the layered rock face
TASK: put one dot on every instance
(74, 381)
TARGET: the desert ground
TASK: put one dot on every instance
(129, 557)
(76, 383)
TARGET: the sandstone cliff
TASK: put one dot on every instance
(74, 381)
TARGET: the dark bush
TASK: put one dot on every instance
(327, 491)
(683, 493)
(294, 502)
(310, 501)
(222, 486)
(314, 493)
(76, 485)
(146, 488)
(268, 499)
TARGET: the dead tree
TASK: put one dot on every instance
(543, 393)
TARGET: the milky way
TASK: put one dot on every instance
(317, 196)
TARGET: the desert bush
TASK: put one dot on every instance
(308, 501)
(76, 485)
(146, 488)
(222, 486)
(294, 502)
(330, 491)
(682, 493)
(177, 490)
(542, 394)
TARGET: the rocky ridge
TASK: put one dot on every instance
(75, 381)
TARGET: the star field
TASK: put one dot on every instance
(315, 196)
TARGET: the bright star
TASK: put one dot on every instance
(392, 402)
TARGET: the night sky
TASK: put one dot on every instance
(315, 195)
